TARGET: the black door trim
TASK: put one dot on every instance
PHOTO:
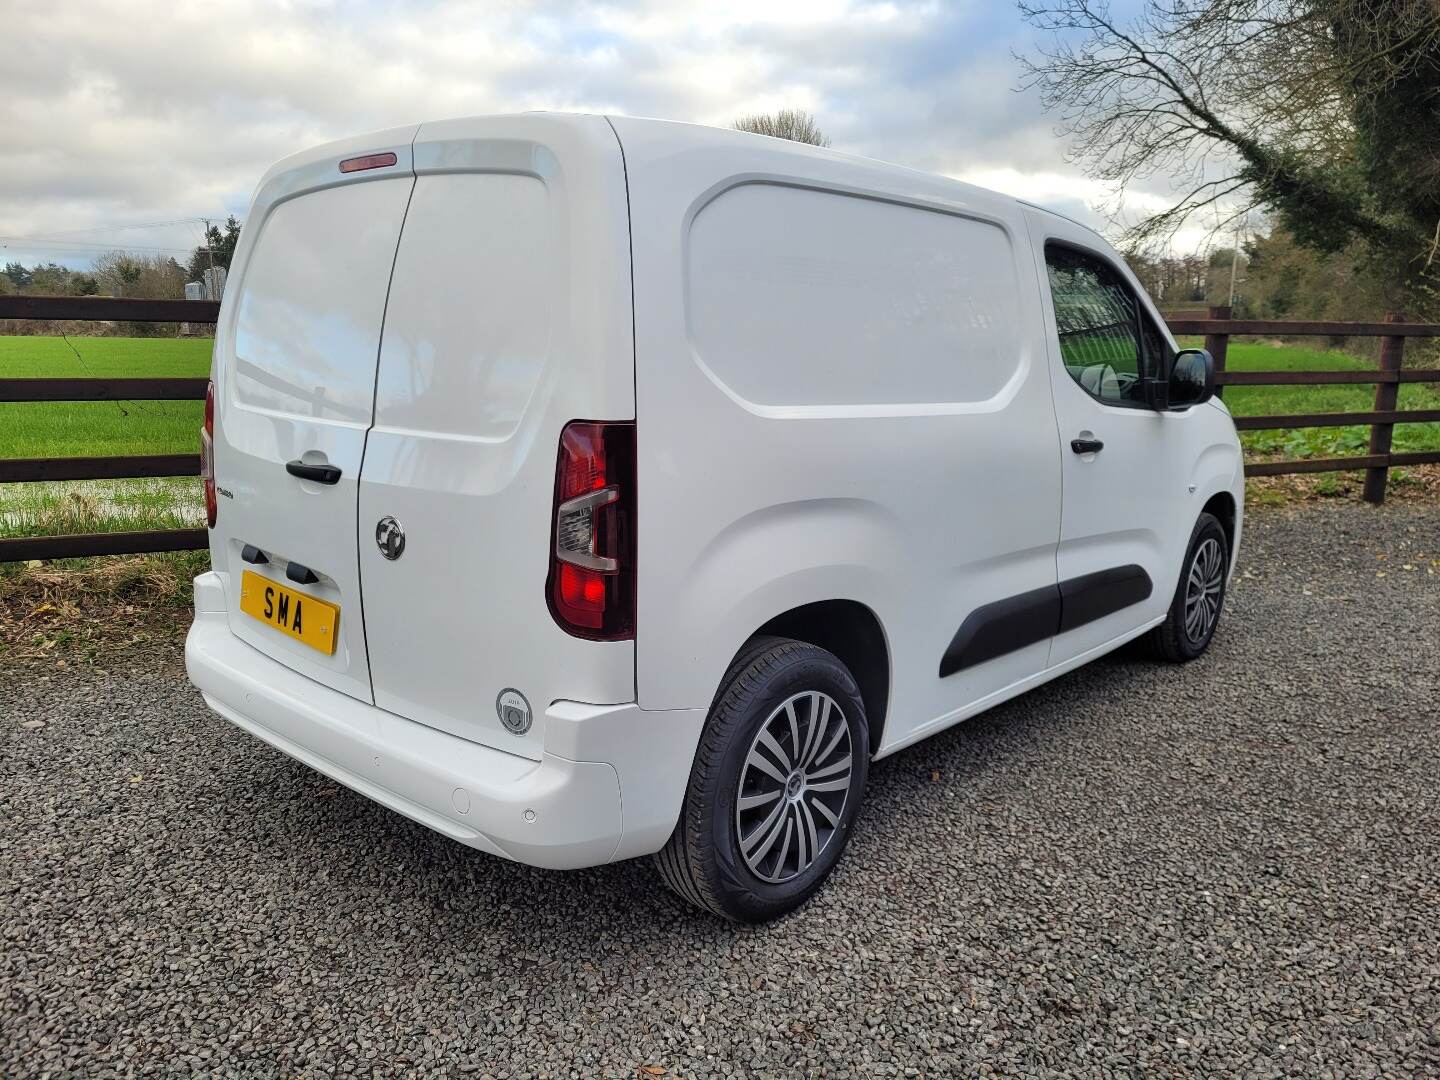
(1093, 596)
(1004, 626)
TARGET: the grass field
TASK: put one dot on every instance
(1318, 442)
(98, 428)
(58, 429)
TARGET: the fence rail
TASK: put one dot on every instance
(74, 545)
(31, 470)
(108, 309)
(1339, 419)
(1320, 378)
(102, 389)
(1217, 330)
(1223, 324)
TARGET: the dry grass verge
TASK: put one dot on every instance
(97, 611)
(1412, 484)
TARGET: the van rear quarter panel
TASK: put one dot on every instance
(840, 394)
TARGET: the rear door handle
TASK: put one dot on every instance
(321, 474)
(1086, 446)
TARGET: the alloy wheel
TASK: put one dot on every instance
(794, 786)
(1203, 586)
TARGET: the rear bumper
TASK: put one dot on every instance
(608, 785)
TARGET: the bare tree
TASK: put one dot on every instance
(119, 271)
(792, 124)
(1294, 106)
(149, 276)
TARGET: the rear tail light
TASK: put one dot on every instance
(591, 590)
(207, 458)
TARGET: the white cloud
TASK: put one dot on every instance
(152, 111)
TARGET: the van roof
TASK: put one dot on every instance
(731, 135)
(885, 176)
(720, 136)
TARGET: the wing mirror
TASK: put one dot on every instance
(1191, 381)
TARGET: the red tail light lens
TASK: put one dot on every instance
(591, 590)
(207, 458)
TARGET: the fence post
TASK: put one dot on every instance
(1387, 394)
(1216, 344)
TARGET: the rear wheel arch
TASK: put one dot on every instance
(730, 851)
(854, 634)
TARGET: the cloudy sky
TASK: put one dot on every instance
(117, 115)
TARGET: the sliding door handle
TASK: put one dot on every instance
(1086, 446)
(321, 474)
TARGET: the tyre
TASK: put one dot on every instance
(1195, 610)
(777, 782)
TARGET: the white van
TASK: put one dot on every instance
(586, 487)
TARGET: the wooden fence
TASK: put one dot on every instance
(13, 470)
(1387, 377)
(1217, 330)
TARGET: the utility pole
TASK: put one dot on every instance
(1235, 261)
(210, 285)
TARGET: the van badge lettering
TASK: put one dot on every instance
(390, 537)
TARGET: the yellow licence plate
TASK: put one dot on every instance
(308, 620)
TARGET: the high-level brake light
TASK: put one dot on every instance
(368, 161)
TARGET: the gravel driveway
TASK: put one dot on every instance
(1231, 868)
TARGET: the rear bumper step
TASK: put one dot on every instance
(608, 785)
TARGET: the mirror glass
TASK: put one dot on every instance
(1192, 379)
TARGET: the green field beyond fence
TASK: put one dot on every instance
(1356, 397)
(102, 428)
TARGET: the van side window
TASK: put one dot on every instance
(1098, 321)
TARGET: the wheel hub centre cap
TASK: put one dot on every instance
(794, 785)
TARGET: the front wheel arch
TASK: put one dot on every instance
(1221, 506)
(1173, 639)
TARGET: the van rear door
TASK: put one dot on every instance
(509, 316)
(294, 368)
